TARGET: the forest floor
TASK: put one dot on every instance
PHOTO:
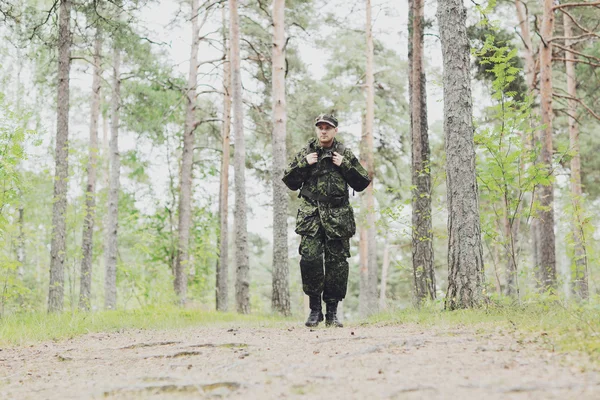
(239, 360)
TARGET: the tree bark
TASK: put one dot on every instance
(187, 158)
(546, 215)
(530, 143)
(222, 289)
(363, 233)
(59, 208)
(90, 193)
(579, 263)
(242, 283)
(422, 231)
(369, 123)
(384, 271)
(465, 253)
(112, 225)
(280, 301)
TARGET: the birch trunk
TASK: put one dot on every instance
(90, 194)
(110, 278)
(465, 253)
(546, 216)
(422, 232)
(281, 291)
(61, 174)
(242, 283)
(579, 263)
(187, 158)
(222, 289)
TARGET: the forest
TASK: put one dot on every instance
(143, 144)
(145, 224)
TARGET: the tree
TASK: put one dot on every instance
(465, 253)
(281, 292)
(546, 194)
(223, 263)
(422, 233)
(368, 298)
(90, 193)
(185, 197)
(112, 218)
(59, 208)
(579, 263)
(242, 283)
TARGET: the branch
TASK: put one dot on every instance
(576, 60)
(574, 37)
(580, 102)
(575, 21)
(203, 121)
(561, 6)
(35, 28)
(576, 52)
(211, 61)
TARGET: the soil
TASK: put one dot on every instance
(291, 361)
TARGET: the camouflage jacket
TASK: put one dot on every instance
(325, 179)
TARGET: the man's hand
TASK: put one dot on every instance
(311, 158)
(337, 158)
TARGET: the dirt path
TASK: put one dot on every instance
(373, 362)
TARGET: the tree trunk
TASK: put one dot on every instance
(384, 271)
(59, 208)
(546, 215)
(242, 283)
(422, 231)
(369, 123)
(465, 253)
(579, 263)
(363, 233)
(512, 286)
(110, 279)
(90, 194)
(187, 158)
(222, 289)
(529, 143)
(281, 291)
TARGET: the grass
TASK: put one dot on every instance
(21, 329)
(556, 327)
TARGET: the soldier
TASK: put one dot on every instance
(322, 171)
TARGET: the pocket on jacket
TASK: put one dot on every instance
(340, 223)
(307, 221)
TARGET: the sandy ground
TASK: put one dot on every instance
(291, 361)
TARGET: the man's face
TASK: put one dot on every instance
(325, 134)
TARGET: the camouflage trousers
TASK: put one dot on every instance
(324, 266)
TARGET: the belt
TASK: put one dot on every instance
(334, 201)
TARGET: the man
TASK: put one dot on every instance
(322, 171)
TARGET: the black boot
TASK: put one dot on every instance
(316, 312)
(331, 315)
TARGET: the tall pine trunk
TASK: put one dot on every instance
(90, 193)
(384, 272)
(465, 253)
(61, 174)
(372, 270)
(222, 288)
(187, 159)
(422, 233)
(281, 291)
(242, 282)
(363, 233)
(579, 262)
(112, 224)
(546, 192)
